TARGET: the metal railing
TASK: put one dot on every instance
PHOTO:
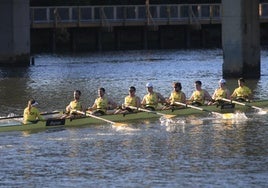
(108, 16)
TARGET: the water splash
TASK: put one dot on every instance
(262, 112)
(173, 125)
(240, 116)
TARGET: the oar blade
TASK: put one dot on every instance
(120, 124)
(228, 116)
(168, 116)
(225, 115)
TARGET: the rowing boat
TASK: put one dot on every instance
(16, 125)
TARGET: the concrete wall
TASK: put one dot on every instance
(14, 32)
(241, 38)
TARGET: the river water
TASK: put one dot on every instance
(202, 151)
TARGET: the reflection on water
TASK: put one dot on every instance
(191, 151)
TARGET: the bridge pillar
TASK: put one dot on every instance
(14, 33)
(241, 38)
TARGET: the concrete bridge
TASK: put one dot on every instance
(124, 15)
(241, 17)
(130, 15)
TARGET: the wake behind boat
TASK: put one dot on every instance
(15, 124)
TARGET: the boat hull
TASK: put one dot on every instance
(15, 125)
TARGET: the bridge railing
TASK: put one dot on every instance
(71, 16)
(87, 16)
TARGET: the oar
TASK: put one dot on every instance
(100, 118)
(20, 116)
(168, 116)
(224, 116)
(243, 104)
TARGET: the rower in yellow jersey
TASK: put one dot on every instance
(151, 99)
(102, 104)
(242, 93)
(199, 96)
(177, 95)
(75, 104)
(130, 100)
(221, 92)
(31, 114)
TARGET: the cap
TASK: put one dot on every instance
(149, 84)
(222, 81)
(34, 103)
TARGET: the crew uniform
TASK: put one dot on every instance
(242, 93)
(198, 98)
(102, 105)
(130, 101)
(31, 114)
(151, 101)
(175, 97)
(75, 105)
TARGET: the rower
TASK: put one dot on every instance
(221, 92)
(242, 93)
(31, 113)
(177, 95)
(199, 96)
(102, 104)
(74, 105)
(130, 100)
(151, 99)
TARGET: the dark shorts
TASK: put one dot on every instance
(129, 110)
(195, 103)
(227, 105)
(241, 99)
(150, 108)
(98, 112)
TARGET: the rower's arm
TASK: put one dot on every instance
(183, 97)
(138, 102)
(93, 107)
(111, 104)
(207, 96)
(161, 98)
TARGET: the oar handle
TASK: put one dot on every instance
(232, 101)
(190, 106)
(146, 110)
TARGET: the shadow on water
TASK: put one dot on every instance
(14, 87)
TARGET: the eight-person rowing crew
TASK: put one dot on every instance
(103, 105)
